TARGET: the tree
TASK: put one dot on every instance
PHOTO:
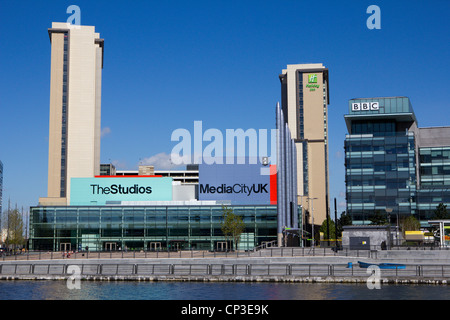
(331, 227)
(409, 223)
(378, 218)
(344, 220)
(232, 225)
(441, 212)
(15, 228)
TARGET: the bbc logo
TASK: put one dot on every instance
(365, 106)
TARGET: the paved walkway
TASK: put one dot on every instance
(277, 264)
(122, 255)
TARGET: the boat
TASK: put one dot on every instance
(382, 265)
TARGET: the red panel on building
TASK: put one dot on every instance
(273, 184)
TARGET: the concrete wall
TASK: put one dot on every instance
(377, 235)
(434, 137)
(183, 192)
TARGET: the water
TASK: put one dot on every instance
(89, 290)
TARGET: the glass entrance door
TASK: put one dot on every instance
(65, 246)
(110, 246)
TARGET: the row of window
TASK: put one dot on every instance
(373, 127)
(434, 167)
(380, 166)
(432, 155)
(443, 170)
(163, 214)
(64, 120)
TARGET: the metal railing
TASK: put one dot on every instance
(417, 271)
(53, 255)
(263, 251)
(266, 250)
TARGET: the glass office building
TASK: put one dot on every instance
(391, 165)
(380, 174)
(434, 167)
(146, 227)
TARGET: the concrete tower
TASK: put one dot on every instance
(75, 108)
(304, 100)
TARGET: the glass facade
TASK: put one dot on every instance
(386, 168)
(145, 227)
(429, 199)
(380, 174)
(434, 166)
(387, 105)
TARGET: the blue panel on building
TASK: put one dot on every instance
(239, 183)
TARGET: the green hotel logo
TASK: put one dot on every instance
(312, 82)
(312, 78)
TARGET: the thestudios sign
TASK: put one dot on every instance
(365, 106)
(119, 189)
(237, 183)
(99, 191)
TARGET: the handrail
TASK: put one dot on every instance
(437, 271)
(266, 249)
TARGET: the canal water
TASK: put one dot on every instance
(102, 290)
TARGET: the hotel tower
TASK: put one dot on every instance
(305, 99)
(75, 108)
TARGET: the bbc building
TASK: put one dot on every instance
(96, 207)
(392, 165)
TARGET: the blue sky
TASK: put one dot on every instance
(170, 63)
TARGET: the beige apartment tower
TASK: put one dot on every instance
(304, 100)
(75, 108)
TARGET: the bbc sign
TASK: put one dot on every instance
(365, 106)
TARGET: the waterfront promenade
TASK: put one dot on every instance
(271, 264)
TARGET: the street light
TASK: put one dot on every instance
(389, 210)
(312, 218)
(302, 195)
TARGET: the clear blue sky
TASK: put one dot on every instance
(169, 63)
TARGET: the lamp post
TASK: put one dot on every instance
(388, 211)
(312, 219)
(302, 195)
(397, 232)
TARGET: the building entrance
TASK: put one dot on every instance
(154, 246)
(222, 246)
(65, 246)
(110, 246)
